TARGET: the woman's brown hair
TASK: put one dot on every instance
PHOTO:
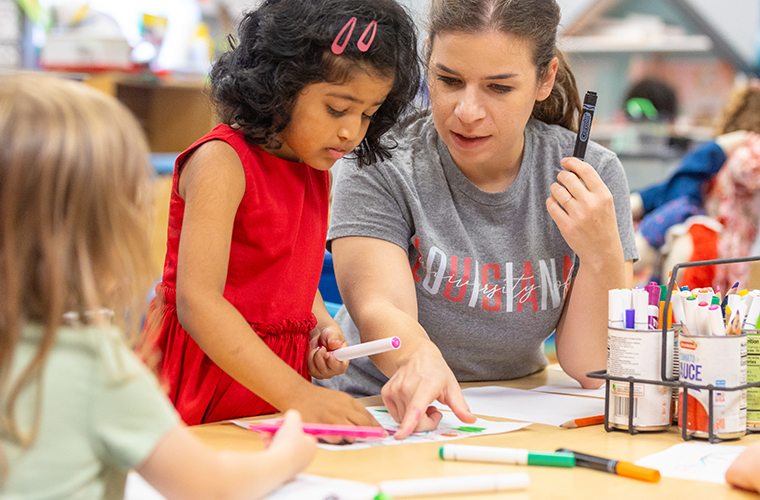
(74, 199)
(535, 21)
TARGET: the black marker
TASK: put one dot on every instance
(584, 128)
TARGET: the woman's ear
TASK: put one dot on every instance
(546, 84)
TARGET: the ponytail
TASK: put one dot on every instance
(563, 106)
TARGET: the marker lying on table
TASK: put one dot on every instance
(583, 422)
(618, 467)
(468, 453)
(455, 484)
(326, 430)
(366, 348)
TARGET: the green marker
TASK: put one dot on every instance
(505, 455)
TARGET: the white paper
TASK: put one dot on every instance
(450, 427)
(303, 486)
(529, 406)
(696, 461)
(573, 387)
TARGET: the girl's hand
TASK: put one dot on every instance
(292, 443)
(322, 364)
(744, 473)
(326, 406)
(584, 211)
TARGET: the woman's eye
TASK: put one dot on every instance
(365, 116)
(447, 80)
(501, 89)
(335, 112)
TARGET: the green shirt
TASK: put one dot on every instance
(103, 413)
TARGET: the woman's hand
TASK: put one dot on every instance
(322, 364)
(418, 382)
(584, 211)
(744, 473)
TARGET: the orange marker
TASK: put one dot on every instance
(626, 469)
(583, 422)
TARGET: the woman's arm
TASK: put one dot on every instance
(212, 184)
(376, 284)
(584, 210)
(181, 467)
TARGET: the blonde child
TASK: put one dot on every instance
(238, 322)
(78, 409)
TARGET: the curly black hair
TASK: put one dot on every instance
(285, 45)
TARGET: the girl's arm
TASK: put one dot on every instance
(588, 223)
(212, 184)
(181, 467)
(377, 286)
(325, 338)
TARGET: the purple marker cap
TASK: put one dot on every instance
(630, 318)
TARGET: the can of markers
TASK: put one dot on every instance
(720, 361)
(753, 375)
(638, 354)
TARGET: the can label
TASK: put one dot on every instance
(753, 375)
(637, 354)
(720, 361)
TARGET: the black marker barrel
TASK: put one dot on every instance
(584, 128)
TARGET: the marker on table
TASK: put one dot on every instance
(514, 456)
(327, 430)
(455, 484)
(583, 422)
(584, 129)
(618, 467)
(366, 348)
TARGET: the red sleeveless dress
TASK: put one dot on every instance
(275, 262)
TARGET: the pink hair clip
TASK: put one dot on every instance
(363, 44)
(337, 48)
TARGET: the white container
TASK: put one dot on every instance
(720, 361)
(638, 354)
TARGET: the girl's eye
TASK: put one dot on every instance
(447, 80)
(335, 112)
(365, 116)
(501, 89)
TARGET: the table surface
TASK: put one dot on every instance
(421, 460)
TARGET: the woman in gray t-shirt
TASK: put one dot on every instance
(479, 238)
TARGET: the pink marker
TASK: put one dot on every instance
(367, 348)
(329, 430)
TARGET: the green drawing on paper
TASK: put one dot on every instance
(471, 429)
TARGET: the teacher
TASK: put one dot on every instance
(480, 237)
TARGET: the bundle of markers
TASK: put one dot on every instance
(700, 312)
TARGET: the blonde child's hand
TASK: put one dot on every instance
(291, 442)
(321, 363)
(744, 473)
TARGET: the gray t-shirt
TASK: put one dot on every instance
(491, 270)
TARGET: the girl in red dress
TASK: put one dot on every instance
(238, 325)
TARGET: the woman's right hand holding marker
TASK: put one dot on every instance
(584, 210)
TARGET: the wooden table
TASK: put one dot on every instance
(421, 460)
